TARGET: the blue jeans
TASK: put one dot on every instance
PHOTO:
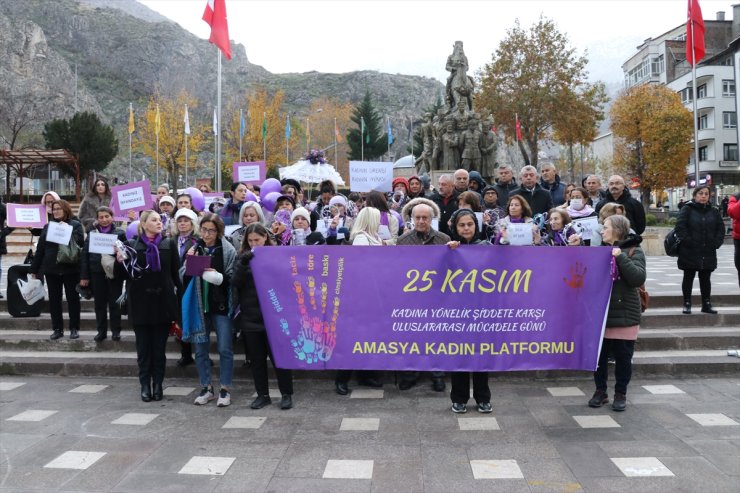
(224, 338)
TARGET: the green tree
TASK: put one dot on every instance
(654, 133)
(528, 75)
(84, 135)
(374, 142)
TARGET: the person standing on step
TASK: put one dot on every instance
(60, 275)
(153, 282)
(100, 272)
(184, 230)
(251, 324)
(701, 231)
(623, 316)
(98, 196)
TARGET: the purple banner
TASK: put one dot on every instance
(474, 308)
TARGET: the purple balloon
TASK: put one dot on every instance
(269, 200)
(270, 185)
(400, 219)
(132, 230)
(251, 197)
(199, 202)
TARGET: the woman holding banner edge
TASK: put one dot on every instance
(464, 230)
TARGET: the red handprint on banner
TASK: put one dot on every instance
(577, 276)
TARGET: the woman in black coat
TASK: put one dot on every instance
(251, 324)
(152, 267)
(701, 231)
(106, 286)
(60, 275)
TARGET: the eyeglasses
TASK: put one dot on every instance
(208, 231)
(57, 209)
(48, 202)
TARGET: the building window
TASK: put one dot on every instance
(703, 153)
(728, 62)
(728, 88)
(701, 91)
(730, 152)
(729, 119)
(657, 65)
(703, 122)
(685, 95)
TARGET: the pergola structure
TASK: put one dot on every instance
(26, 159)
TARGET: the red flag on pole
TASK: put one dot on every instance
(518, 129)
(215, 16)
(695, 49)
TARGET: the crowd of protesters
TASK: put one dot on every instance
(148, 275)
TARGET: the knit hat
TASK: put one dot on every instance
(285, 197)
(338, 200)
(168, 199)
(403, 181)
(186, 213)
(302, 212)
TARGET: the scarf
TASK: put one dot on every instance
(585, 212)
(183, 242)
(152, 252)
(105, 230)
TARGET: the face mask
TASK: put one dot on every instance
(576, 204)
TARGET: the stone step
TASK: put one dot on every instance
(673, 364)
(654, 318)
(696, 338)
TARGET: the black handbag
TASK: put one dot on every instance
(671, 243)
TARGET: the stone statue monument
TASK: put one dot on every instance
(460, 85)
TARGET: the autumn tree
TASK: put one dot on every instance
(579, 124)
(322, 114)
(528, 75)
(368, 140)
(85, 136)
(171, 132)
(654, 133)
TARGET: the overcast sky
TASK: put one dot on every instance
(415, 36)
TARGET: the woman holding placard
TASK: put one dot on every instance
(152, 267)
(185, 230)
(98, 269)
(212, 287)
(58, 259)
(98, 196)
(511, 230)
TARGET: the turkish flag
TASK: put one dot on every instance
(695, 49)
(215, 16)
(518, 129)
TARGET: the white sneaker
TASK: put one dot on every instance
(205, 396)
(224, 398)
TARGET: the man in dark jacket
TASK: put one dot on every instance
(593, 187)
(539, 199)
(550, 181)
(446, 199)
(505, 184)
(632, 208)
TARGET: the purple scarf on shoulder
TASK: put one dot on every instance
(152, 252)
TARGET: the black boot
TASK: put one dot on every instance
(101, 336)
(157, 392)
(57, 334)
(146, 392)
(706, 307)
(687, 307)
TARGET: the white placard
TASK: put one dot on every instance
(59, 233)
(27, 215)
(366, 176)
(589, 225)
(520, 234)
(384, 232)
(101, 242)
(479, 217)
(228, 230)
(248, 173)
(131, 199)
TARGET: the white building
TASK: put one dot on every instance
(663, 61)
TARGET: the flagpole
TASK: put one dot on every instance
(336, 163)
(411, 119)
(362, 138)
(388, 124)
(287, 139)
(218, 125)
(241, 117)
(186, 150)
(157, 132)
(264, 138)
(131, 110)
(693, 90)
(308, 136)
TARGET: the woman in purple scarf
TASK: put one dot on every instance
(100, 273)
(152, 264)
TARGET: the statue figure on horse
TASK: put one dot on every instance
(460, 85)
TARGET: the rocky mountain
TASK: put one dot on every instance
(125, 52)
